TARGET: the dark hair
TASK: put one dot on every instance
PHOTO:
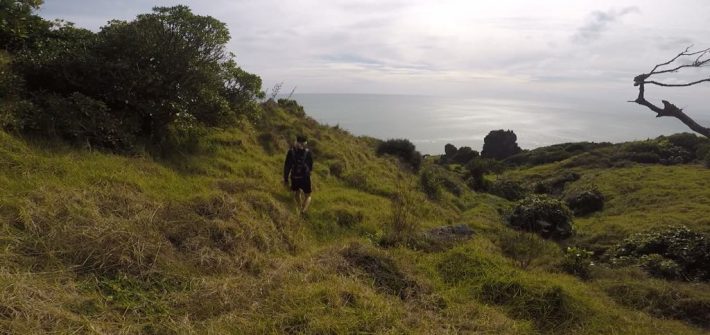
(301, 139)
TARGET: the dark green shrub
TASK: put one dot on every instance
(555, 185)
(673, 252)
(402, 148)
(706, 161)
(687, 141)
(500, 144)
(507, 189)
(336, 169)
(292, 107)
(585, 201)
(477, 168)
(577, 262)
(702, 151)
(659, 266)
(541, 214)
(463, 155)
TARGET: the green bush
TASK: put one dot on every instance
(292, 107)
(133, 81)
(585, 201)
(402, 148)
(507, 189)
(525, 248)
(500, 144)
(577, 262)
(541, 214)
(555, 185)
(673, 252)
(336, 169)
(477, 169)
(706, 161)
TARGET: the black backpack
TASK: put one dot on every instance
(300, 168)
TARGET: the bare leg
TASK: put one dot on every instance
(306, 203)
(297, 198)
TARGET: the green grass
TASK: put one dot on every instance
(209, 242)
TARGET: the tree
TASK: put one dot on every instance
(145, 78)
(500, 144)
(683, 61)
(18, 24)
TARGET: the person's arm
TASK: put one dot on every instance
(288, 164)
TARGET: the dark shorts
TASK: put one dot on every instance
(301, 184)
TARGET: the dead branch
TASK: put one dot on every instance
(701, 59)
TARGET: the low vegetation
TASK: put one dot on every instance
(180, 227)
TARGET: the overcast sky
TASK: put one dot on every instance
(516, 49)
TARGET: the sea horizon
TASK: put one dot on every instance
(432, 121)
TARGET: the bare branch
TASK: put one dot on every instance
(670, 109)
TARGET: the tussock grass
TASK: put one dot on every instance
(207, 240)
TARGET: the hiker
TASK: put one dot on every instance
(299, 164)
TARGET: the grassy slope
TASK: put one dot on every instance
(98, 243)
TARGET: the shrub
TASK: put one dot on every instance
(686, 141)
(292, 107)
(477, 168)
(402, 148)
(702, 152)
(577, 262)
(673, 252)
(402, 227)
(585, 201)
(706, 161)
(526, 248)
(336, 169)
(500, 144)
(556, 184)
(507, 189)
(543, 215)
(464, 155)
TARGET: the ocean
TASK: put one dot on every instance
(432, 122)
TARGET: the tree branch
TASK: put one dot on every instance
(670, 109)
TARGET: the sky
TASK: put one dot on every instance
(545, 50)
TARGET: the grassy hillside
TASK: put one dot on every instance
(207, 240)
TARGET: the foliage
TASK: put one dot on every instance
(507, 189)
(577, 261)
(455, 155)
(585, 201)
(552, 153)
(672, 252)
(402, 148)
(18, 25)
(477, 168)
(166, 68)
(500, 144)
(706, 161)
(555, 185)
(403, 225)
(292, 107)
(526, 249)
(546, 216)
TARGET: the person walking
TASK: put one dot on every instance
(298, 166)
